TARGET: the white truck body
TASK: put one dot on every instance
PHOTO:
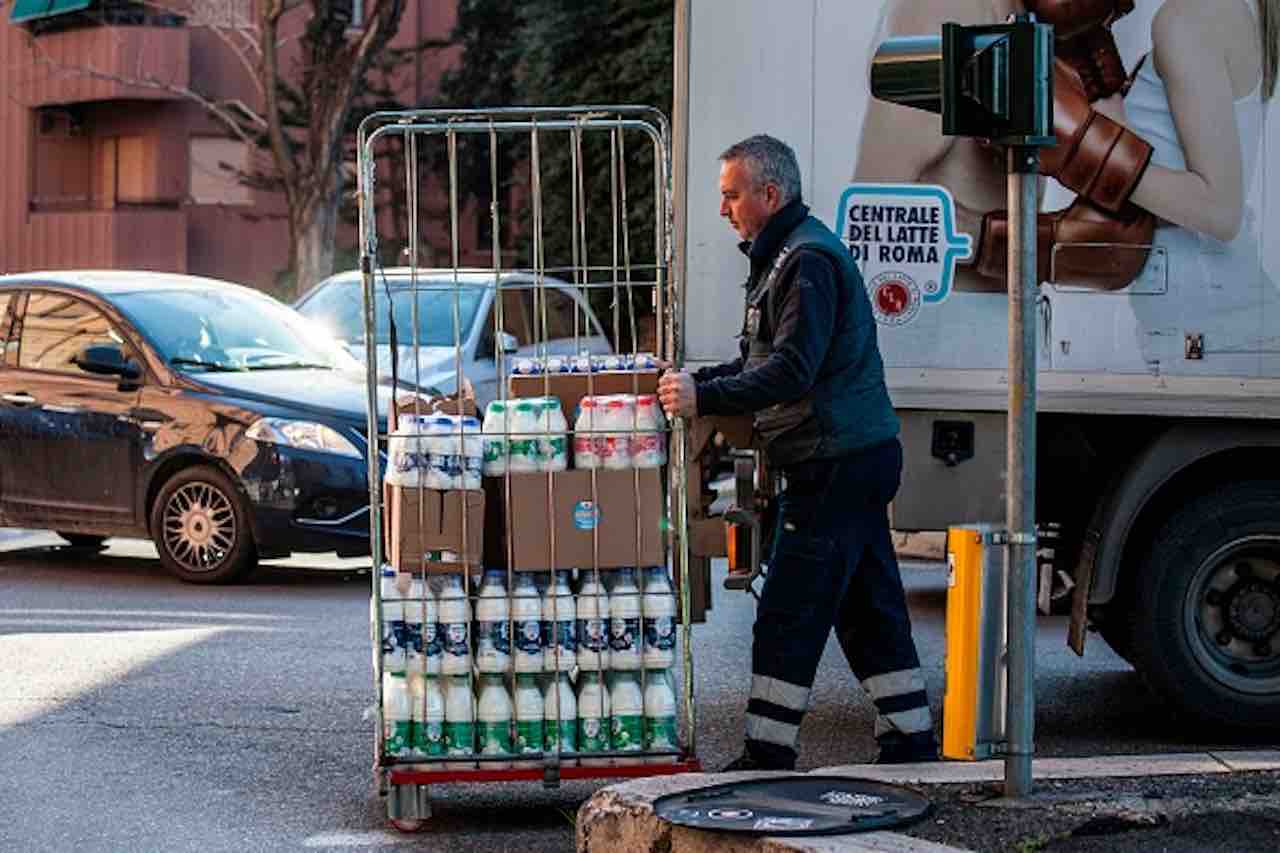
(1157, 430)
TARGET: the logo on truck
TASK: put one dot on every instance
(903, 238)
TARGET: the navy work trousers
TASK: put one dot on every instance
(833, 565)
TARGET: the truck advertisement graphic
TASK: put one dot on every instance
(1158, 316)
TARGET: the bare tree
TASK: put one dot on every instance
(301, 115)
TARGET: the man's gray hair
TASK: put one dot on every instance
(768, 161)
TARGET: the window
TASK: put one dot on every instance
(8, 305)
(56, 327)
(216, 166)
(516, 306)
(560, 309)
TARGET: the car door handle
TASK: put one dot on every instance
(61, 410)
(22, 398)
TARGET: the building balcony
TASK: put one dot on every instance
(107, 63)
(145, 238)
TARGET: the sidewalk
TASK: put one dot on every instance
(1212, 801)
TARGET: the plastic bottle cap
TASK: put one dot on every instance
(616, 404)
(524, 407)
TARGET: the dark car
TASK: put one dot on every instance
(203, 415)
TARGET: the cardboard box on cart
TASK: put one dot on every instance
(620, 526)
(422, 522)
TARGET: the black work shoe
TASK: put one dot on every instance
(747, 761)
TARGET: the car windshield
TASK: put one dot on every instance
(339, 308)
(230, 329)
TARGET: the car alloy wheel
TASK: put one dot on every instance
(201, 528)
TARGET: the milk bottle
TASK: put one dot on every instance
(526, 617)
(626, 707)
(393, 627)
(495, 439)
(414, 628)
(493, 614)
(553, 450)
(433, 454)
(618, 424)
(560, 716)
(428, 716)
(593, 624)
(493, 721)
(524, 426)
(459, 721)
(624, 622)
(659, 624)
(593, 718)
(649, 444)
(588, 448)
(472, 455)
(529, 721)
(559, 626)
(660, 715)
(455, 624)
(397, 714)
(402, 454)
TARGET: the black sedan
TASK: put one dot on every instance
(203, 415)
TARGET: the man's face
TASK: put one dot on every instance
(747, 207)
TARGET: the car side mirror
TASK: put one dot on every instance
(106, 360)
(508, 342)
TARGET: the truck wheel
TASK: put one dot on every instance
(201, 528)
(1207, 635)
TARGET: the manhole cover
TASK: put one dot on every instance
(794, 805)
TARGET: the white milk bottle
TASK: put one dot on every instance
(402, 454)
(588, 448)
(553, 446)
(459, 721)
(649, 444)
(529, 722)
(455, 625)
(428, 716)
(660, 715)
(393, 628)
(524, 428)
(626, 711)
(593, 623)
(526, 618)
(432, 642)
(559, 626)
(397, 714)
(493, 624)
(433, 442)
(624, 621)
(593, 718)
(414, 625)
(495, 439)
(560, 717)
(493, 721)
(455, 439)
(659, 623)
(472, 455)
(618, 424)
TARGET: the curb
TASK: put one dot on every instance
(620, 817)
(1100, 767)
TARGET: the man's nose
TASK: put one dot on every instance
(724, 208)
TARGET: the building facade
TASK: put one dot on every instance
(108, 158)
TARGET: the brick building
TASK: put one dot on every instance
(99, 172)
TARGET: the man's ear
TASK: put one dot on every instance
(773, 196)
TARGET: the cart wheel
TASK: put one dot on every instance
(408, 825)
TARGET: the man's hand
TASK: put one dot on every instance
(677, 394)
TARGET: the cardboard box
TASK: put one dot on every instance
(572, 387)
(614, 520)
(421, 521)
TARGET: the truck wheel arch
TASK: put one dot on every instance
(1182, 462)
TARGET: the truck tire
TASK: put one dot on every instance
(1206, 637)
(200, 527)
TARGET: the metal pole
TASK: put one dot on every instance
(1020, 507)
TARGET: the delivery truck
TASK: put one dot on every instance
(1158, 469)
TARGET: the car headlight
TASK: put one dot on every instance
(304, 435)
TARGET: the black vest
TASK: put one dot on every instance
(848, 407)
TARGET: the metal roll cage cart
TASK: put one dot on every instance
(534, 133)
